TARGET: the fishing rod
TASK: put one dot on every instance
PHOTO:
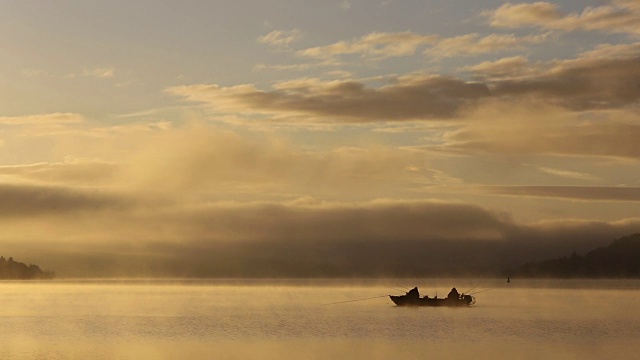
(396, 289)
(348, 301)
(466, 292)
(480, 292)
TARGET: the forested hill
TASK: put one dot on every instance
(621, 259)
(14, 270)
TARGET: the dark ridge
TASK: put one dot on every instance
(14, 270)
(621, 259)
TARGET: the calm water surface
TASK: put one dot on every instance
(288, 320)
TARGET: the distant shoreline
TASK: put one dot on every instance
(618, 260)
(15, 270)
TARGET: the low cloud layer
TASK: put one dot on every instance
(20, 201)
(193, 208)
(417, 238)
(569, 192)
(591, 139)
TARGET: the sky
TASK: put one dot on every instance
(296, 137)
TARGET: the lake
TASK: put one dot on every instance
(271, 319)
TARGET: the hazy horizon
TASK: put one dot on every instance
(307, 138)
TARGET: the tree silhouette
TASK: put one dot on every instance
(621, 259)
(14, 270)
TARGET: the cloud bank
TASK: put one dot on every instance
(389, 238)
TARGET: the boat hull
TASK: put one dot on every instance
(466, 300)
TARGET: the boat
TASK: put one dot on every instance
(412, 298)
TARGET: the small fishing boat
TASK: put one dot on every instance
(412, 298)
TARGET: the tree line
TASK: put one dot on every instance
(14, 270)
(621, 259)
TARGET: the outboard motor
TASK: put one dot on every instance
(469, 300)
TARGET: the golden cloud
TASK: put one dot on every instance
(281, 38)
(622, 16)
(474, 44)
(604, 78)
(376, 45)
(510, 67)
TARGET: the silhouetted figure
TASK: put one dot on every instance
(508, 280)
(453, 294)
(414, 293)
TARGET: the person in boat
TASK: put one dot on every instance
(453, 294)
(413, 293)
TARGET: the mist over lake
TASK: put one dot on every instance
(289, 319)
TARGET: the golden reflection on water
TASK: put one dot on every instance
(286, 320)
